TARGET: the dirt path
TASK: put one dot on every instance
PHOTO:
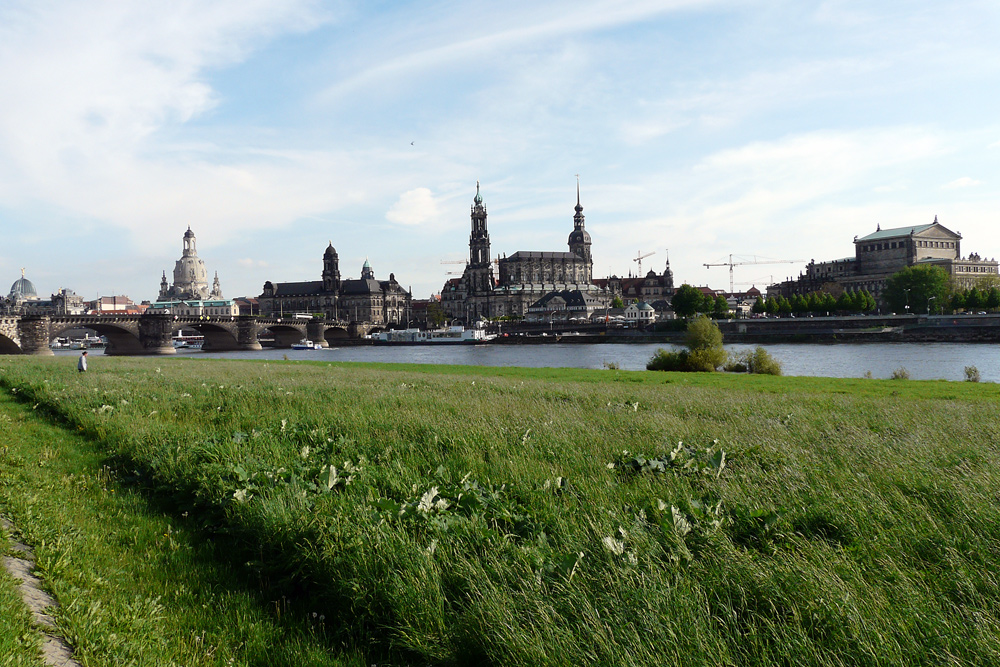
(54, 650)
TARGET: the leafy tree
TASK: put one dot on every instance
(704, 353)
(870, 304)
(721, 307)
(914, 286)
(974, 299)
(993, 298)
(687, 300)
(771, 305)
(827, 303)
(957, 301)
(801, 305)
(435, 315)
(844, 302)
(814, 302)
(758, 306)
(617, 302)
(784, 305)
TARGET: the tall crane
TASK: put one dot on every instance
(639, 257)
(731, 264)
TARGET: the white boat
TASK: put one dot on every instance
(449, 336)
(189, 342)
(305, 345)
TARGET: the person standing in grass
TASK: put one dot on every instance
(81, 365)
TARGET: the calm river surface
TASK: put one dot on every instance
(924, 361)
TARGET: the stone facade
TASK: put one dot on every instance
(521, 279)
(885, 252)
(376, 302)
(190, 276)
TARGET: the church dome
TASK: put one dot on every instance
(330, 251)
(23, 288)
(579, 236)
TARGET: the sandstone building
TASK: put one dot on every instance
(378, 302)
(885, 252)
(521, 279)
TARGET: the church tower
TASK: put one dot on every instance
(331, 269)
(480, 270)
(579, 239)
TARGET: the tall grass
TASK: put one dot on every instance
(504, 516)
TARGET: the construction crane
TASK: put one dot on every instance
(454, 261)
(731, 264)
(639, 257)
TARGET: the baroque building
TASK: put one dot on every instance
(885, 252)
(190, 276)
(521, 279)
(366, 299)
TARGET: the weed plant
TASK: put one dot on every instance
(554, 517)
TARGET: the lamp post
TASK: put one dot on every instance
(929, 299)
(906, 292)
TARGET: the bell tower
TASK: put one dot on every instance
(480, 270)
(579, 238)
(331, 269)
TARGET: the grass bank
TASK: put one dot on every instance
(457, 515)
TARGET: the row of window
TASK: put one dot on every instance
(964, 268)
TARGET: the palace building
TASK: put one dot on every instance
(885, 252)
(378, 302)
(521, 279)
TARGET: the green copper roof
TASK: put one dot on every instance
(895, 232)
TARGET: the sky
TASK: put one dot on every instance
(770, 130)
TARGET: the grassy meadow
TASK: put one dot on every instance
(489, 516)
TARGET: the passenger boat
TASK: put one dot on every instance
(449, 336)
(305, 345)
(188, 342)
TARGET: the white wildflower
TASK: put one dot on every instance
(427, 500)
(616, 547)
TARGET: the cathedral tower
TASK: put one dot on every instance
(480, 270)
(579, 239)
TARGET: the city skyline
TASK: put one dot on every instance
(270, 128)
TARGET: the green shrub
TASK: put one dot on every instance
(972, 374)
(705, 352)
(703, 333)
(756, 361)
(666, 360)
(900, 374)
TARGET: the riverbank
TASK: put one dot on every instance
(854, 329)
(457, 515)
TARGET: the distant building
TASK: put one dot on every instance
(114, 305)
(885, 252)
(197, 308)
(366, 299)
(190, 276)
(521, 279)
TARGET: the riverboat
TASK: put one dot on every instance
(188, 342)
(449, 336)
(306, 345)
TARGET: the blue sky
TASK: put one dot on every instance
(769, 129)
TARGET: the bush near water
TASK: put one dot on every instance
(553, 517)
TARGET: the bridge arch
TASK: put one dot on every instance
(123, 337)
(8, 346)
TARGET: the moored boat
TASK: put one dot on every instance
(449, 336)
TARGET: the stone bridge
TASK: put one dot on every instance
(152, 333)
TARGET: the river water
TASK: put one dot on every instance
(923, 361)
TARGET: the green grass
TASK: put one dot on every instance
(851, 525)
(136, 586)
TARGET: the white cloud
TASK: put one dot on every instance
(414, 207)
(250, 263)
(964, 182)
